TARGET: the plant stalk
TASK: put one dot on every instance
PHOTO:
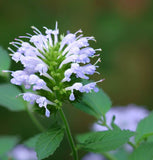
(73, 147)
(132, 145)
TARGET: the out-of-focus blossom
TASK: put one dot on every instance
(125, 117)
(93, 156)
(20, 152)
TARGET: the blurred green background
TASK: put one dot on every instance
(122, 28)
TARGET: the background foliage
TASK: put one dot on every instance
(123, 29)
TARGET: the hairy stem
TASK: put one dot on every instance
(74, 150)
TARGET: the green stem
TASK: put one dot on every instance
(107, 126)
(103, 123)
(34, 119)
(74, 150)
(132, 145)
(108, 156)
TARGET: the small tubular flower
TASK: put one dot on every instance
(53, 67)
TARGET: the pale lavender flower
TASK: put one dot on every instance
(125, 117)
(20, 152)
(53, 65)
(40, 100)
(93, 156)
(86, 88)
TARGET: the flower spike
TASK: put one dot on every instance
(53, 67)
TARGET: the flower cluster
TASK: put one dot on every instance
(53, 67)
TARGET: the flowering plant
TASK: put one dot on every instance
(53, 68)
(56, 69)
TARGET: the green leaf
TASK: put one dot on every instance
(48, 142)
(121, 154)
(86, 108)
(8, 98)
(95, 104)
(4, 60)
(31, 142)
(100, 142)
(7, 143)
(143, 152)
(6, 157)
(144, 128)
(150, 138)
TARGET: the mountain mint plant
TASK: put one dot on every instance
(56, 69)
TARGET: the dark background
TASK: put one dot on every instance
(122, 28)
